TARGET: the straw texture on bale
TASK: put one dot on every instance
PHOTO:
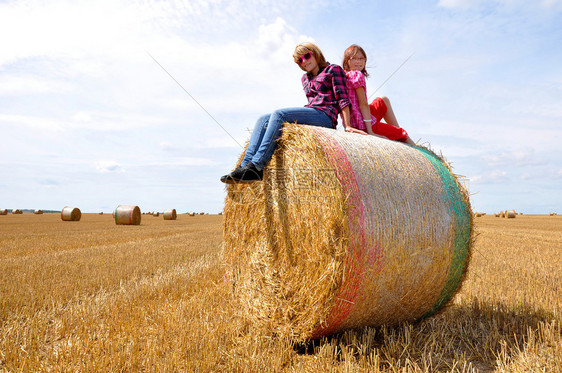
(71, 214)
(127, 215)
(3, 212)
(170, 214)
(345, 231)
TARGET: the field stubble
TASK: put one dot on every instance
(94, 296)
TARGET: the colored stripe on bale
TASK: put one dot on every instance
(459, 210)
(127, 215)
(345, 231)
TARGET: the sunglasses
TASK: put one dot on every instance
(305, 57)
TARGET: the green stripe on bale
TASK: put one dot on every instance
(460, 212)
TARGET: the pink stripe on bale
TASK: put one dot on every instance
(358, 257)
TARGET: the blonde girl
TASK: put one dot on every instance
(325, 89)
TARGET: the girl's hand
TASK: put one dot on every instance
(354, 130)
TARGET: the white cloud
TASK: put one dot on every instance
(456, 3)
(463, 4)
(25, 85)
(185, 161)
(105, 166)
(165, 145)
(514, 157)
(224, 142)
(32, 122)
(493, 177)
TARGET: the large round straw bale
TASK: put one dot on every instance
(70, 214)
(127, 215)
(511, 214)
(170, 214)
(3, 211)
(346, 231)
(38, 212)
(17, 212)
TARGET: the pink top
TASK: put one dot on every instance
(356, 79)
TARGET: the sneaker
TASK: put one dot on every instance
(246, 174)
(229, 180)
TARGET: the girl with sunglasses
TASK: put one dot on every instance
(324, 85)
(367, 118)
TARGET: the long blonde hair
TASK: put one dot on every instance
(303, 48)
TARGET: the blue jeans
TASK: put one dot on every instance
(268, 129)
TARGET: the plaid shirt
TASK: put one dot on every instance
(327, 91)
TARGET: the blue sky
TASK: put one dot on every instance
(88, 119)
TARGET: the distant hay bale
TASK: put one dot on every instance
(127, 215)
(100, 213)
(510, 214)
(497, 214)
(478, 214)
(70, 214)
(502, 214)
(345, 231)
(38, 212)
(17, 212)
(170, 214)
(156, 213)
(552, 214)
(4, 212)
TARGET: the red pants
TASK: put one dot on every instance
(378, 110)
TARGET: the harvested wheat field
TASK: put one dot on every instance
(96, 296)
